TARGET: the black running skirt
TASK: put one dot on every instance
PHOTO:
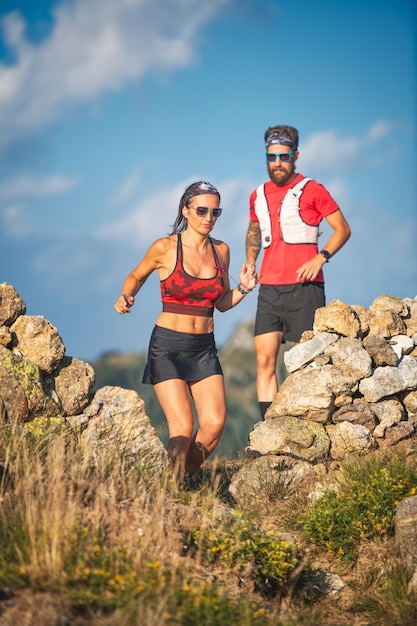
(187, 356)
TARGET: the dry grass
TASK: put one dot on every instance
(87, 538)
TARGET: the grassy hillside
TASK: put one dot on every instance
(89, 539)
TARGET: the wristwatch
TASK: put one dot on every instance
(241, 290)
(326, 254)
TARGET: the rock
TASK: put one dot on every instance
(390, 303)
(38, 340)
(358, 413)
(396, 433)
(11, 305)
(312, 393)
(5, 336)
(388, 381)
(273, 476)
(401, 344)
(322, 584)
(363, 315)
(411, 319)
(385, 323)
(405, 525)
(322, 359)
(409, 400)
(71, 384)
(304, 353)
(306, 335)
(349, 439)
(115, 420)
(350, 357)
(388, 412)
(380, 350)
(21, 391)
(337, 317)
(299, 438)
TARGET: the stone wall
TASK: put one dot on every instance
(352, 384)
(40, 385)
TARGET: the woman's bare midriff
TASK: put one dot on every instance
(195, 324)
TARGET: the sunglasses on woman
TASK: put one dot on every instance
(203, 210)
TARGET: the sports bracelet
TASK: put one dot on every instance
(241, 290)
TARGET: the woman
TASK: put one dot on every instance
(182, 359)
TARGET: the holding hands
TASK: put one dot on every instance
(248, 276)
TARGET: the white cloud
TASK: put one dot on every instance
(29, 188)
(95, 46)
(378, 131)
(153, 216)
(16, 195)
(328, 151)
(14, 221)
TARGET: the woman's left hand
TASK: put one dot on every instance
(248, 276)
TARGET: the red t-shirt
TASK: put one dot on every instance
(281, 260)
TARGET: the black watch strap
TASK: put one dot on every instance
(326, 254)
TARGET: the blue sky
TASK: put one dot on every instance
(110, 108)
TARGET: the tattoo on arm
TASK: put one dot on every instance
(253, 241)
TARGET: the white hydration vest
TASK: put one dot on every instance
(293, 227)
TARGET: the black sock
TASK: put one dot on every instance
(263, 407)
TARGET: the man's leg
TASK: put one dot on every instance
(267, 348)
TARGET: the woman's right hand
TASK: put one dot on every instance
(124, 303)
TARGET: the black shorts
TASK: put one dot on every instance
(187, 356)
(288, 308)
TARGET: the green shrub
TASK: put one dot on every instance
(363, 508)
(238, 543)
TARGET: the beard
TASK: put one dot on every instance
(280, 175)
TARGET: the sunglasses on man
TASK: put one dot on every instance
(284, 157)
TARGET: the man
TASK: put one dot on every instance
(291, 278)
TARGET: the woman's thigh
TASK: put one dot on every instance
(174, 397)
(210, 402)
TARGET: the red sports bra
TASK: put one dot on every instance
(189, 295)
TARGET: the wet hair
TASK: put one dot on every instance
(288, 132)
(195, 189)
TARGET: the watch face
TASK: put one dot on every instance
(326, 254)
